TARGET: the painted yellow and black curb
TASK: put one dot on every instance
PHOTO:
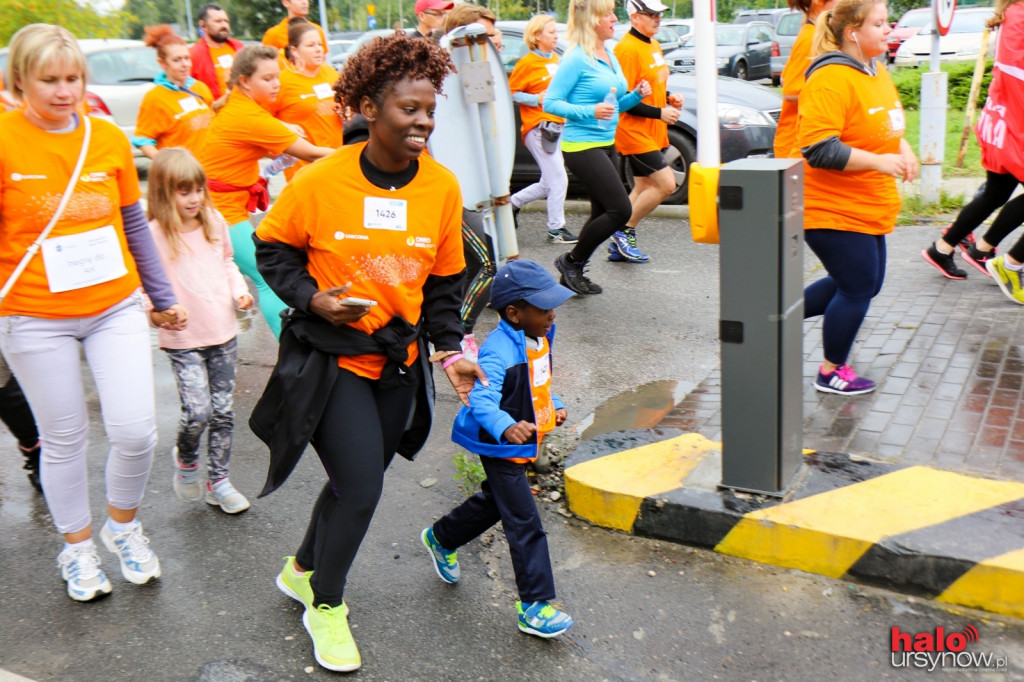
(947, 536)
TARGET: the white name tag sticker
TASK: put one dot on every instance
(384, 214)
(896, 118)
(541, 371)
(659, 60)
(189, 104)
(226, 61)
(323, 91)
(551, 68)
(81, 260)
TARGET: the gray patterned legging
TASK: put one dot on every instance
(206, 385)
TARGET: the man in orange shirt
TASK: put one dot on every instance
(642, 133)
(277, 35)
(214, 53)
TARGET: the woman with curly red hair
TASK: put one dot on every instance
(365, 246)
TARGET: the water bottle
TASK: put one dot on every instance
(277, 165)
(610, 98)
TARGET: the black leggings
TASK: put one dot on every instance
(598, 170)
(480, 269)
(356, 440)
(998, 188)
(17, 415)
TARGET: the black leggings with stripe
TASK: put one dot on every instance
(480, 269)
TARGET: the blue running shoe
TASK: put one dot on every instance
(446, 563)
(624, 242)
(613, 253)
(542, 619)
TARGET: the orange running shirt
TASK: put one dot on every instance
(864, 111)
(241, 134)
(641, 60)
(385, 242)
(532, 75)
(175, 118)
(35, 166)
(223, 57)
(309, 102)
(792, 83)
(277, 36)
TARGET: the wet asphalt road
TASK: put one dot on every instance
(644, 610)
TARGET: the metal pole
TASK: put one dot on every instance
(190, 31)
(323, 17)
(932, 148)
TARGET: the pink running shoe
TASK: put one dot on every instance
(843, 381)
(470, 347)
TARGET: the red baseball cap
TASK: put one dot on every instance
(422, 5)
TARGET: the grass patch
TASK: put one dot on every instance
(913, 209)
(468, 472)
(954, 131)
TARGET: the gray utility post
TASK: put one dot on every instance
(933, 128)
(761, 210)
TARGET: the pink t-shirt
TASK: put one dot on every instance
(206, 281)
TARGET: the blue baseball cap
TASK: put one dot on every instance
(528, 281)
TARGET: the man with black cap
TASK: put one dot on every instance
(504, 424)
(642, 134)
(430, 16)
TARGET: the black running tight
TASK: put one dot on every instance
(598, 170)
(998, 188)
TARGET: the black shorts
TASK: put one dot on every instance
(647, 164)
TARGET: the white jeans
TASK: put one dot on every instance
(44, 356)
(553, 182)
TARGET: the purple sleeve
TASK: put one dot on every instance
(147, 259)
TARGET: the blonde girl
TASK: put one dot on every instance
(192, 239)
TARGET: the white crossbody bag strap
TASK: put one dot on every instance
(38, 243)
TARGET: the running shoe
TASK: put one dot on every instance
(562, 236)
(470, 347)
(186, 480)
(624, 242)
(977, 258)
(139, 564)
(333, 644)
(943, 263)
(295, 586)
(446, 564)
(80, 567)
(843, 381)
(574, 276)
(542, 619)
(222, 494)
(1009, 281)
(965, 243)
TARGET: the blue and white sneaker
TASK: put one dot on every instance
(623, 247)
(542, 619)
(446, 563)
(139, 564)
(80, 567)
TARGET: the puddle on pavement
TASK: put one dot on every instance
(642, 407)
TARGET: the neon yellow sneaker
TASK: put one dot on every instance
(333, 645)
(1009, 281)
(296, 587)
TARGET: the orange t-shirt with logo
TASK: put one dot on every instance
(793, 79)
(175, 118)
(532, 75)
(277, 37)
(642, 60)
(386, 242)
(864, 112)
(241, 134)
(309, 102)
(223, 57)
(35, 166)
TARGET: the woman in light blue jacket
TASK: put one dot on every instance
(586, 75)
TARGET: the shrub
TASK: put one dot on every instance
(908, 84)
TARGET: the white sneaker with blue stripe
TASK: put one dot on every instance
(139, 564)
(80, 567)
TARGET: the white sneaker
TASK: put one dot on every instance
(224, 495)
(186, 480)
(138, 562)
(80, 567)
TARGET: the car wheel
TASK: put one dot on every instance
(776, 81)
(739, 71)
(681, 152)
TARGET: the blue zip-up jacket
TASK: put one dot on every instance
(480, 427)
(578, 86)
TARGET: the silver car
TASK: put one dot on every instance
(785, 35)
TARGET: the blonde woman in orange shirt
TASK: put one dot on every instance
(175, 113)
(242, 133)
(306, 98)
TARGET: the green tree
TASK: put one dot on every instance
(150, 12)
(82, 20)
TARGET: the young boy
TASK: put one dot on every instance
(505, 424)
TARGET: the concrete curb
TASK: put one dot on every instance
(933, 533)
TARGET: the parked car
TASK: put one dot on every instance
(666, 36)
(744, 51)
(338, 50)
(908, 26)
(684, 27)
(772, 16)
(121, 72)
(961, 44)
(785, 35)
